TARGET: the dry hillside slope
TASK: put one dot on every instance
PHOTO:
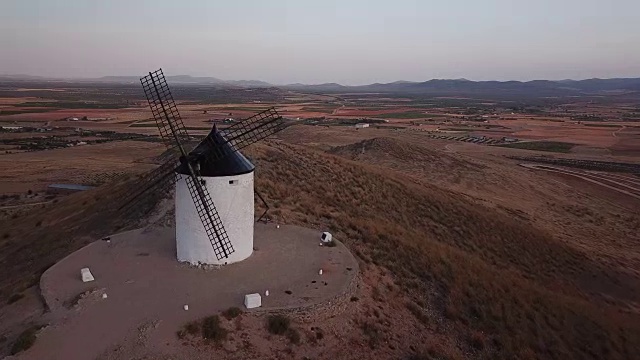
(483, 271)
(494, 285)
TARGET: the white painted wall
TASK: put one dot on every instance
(234, 203)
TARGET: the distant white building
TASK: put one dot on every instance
(362, 125)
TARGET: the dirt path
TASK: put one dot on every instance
(21, 205)
(595, 178)
(614, 133)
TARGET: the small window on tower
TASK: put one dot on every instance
(233, 182)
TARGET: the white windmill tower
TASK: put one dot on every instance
(214, 182)
(229, 180)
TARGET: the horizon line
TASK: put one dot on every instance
(314, 84)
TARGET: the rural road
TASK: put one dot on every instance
(614, 133)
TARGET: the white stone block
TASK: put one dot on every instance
(86, 275)
(252, 301)
(320, 272)
(266, 293)
(104, 296)
(326, 237)
(186, 308)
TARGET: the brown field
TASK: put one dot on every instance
(463, 252)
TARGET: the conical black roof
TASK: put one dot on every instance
(231, 163)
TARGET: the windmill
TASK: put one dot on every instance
(214, 197)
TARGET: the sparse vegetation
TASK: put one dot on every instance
(551, 146)
(15, 297)
(193, 328)
(418, 312)
(278, 324)
(372, 332)
(293, 335)
(492, 268)
(405, 115)
(25, 340)
(212, 330)
(232, 312)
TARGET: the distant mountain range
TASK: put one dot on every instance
(463, 86)
(432, 87)
(176, 79)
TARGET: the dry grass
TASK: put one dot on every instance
(503, 288)
(52, 231)
(493, 274)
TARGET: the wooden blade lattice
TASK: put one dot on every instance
(210, 218)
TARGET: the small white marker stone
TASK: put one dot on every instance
(186, 307)
(277, 226)
(320, 272)
(86, 275)
(104, 296)
(252, 301)
(266, 293)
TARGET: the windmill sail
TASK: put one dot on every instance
(245, 133)
(164, 109)
(173, 133)
(210, 218)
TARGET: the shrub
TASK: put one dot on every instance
(25, 340)
(232, 313)
(39, 223)
(372, 333)
(417, 311)
(212, 330)
(6, 235)
(278, 324)
(192, 328)
(293, 335)
(331, 244)
(354, 298)
(15, 297)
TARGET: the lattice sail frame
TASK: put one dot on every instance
(174, 133)
(210, 218)
(164, 110)
(246, 132)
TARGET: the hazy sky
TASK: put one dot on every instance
(346, 41)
